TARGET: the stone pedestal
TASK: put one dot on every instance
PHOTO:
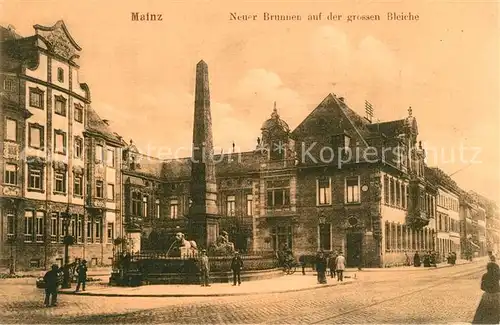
(204, 229)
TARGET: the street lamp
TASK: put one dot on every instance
(68, 240)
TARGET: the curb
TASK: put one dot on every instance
(199, 295)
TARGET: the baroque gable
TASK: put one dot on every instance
(59, 40)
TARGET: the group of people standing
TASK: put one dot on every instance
(335, 262)
(236, 267)
(428, 259)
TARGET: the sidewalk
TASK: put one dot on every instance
(286, 283)
(95, 271)
(421, 268)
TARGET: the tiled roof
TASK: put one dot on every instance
(391, 129)
(227, 164)
(97, 125)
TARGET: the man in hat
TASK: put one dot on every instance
(51, 279)
(236, 266)
(82, 275)
(204, 268)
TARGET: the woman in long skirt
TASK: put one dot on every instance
(488, 311)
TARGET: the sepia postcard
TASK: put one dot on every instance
(248, 162)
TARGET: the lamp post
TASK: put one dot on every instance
(68, 240)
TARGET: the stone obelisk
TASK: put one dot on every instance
(203, 213)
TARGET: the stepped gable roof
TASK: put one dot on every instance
(96, 125)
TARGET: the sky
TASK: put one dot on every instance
(141, 74)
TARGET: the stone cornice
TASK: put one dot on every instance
(50, 85)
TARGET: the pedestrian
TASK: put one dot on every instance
(416, 260)
(340, 266)
(205, 269)
(407, 259)
(236, 266)
(488, 310)
(331, 264)
(51, 279)
(359, 257)
(82, 275)
(321, 267)
(302, 260)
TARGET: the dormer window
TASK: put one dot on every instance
(60, 74)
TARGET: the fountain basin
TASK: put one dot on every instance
(154, 269)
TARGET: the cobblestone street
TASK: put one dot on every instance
(437, 296)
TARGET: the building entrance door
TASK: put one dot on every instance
(354, 249)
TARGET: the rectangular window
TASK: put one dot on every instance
(323, 191)
(39, 227)
(35, 136)
(388, 245)
(60, 74)
(278, 193)
(98, 154)
(230, 206)
(157, 208)
(403, 196)
(249, 205)
(99, 191)
(111, 232)
(36, 98)
(352, 190)
(387, 190)
(325, 237)
(398, 193)
(35, 178)
(11, 225)
(110, 192)
(11, 129)
(60, 182)
(174, 204)
(28, 226)
(145, 202)
(60, 142)
(78, 111)
(9, 85)
(393, 191)
(79, 229)
(89, 231)
(98, 226)
(281, 237)
(53, 228)
(10, 174)
(110, 158)
(77, 185)
(78, 147)
(136, 203)
(60, 105)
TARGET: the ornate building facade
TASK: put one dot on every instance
(47, 143)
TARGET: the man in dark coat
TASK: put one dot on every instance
(236, 266)
(416, 260)
(321, 267)
(82, 275)
(51, 279)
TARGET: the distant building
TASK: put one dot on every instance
(447, 214)
(271, 198)
(47, 166)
